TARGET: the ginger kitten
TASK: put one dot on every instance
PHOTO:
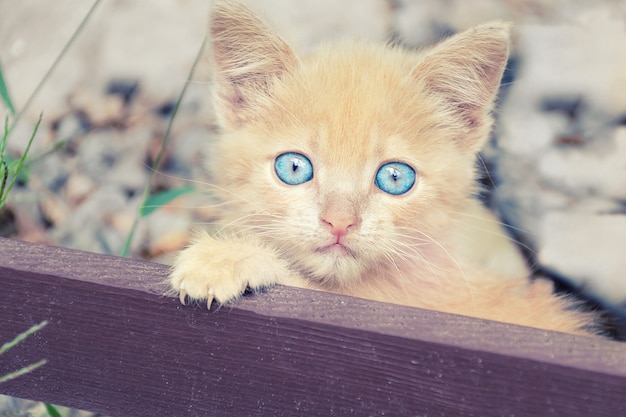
(352, 170)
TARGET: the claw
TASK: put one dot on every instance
(182, 294)
(210, 297)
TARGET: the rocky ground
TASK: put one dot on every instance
(558, 159)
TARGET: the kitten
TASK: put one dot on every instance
(353, 171)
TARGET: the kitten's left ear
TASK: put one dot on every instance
(462, 74)
(248, 58)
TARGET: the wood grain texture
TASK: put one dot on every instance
(117, 345)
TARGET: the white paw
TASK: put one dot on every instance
(221, 270)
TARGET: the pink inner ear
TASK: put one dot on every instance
(471, 115)
(233, 99)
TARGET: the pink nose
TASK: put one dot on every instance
(339, 225)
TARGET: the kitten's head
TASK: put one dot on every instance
(355, 157)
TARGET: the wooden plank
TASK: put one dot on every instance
(116, 345)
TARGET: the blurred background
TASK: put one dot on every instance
(108, 76)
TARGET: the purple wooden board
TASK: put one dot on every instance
(115, 344)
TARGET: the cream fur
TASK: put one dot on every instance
(350, 107)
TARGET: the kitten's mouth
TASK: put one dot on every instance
(337, 249)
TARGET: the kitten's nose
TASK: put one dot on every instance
(339, 225)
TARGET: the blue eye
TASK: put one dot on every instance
(395, 178)
(293, 168)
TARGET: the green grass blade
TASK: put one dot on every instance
(5, 135)
(129, 238)
(157, 163)
(23, 371)
(4, 174)
(18, 339)
(22, 336)
(24, 173)
(56, 62)
(159, 200)
(4, 93)
(20, 163)
(4, 168)
(52, 411)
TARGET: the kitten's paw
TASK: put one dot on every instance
(221, 270)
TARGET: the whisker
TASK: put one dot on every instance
(451, 257)
(494, 233)
(489, 220)
(213, 186)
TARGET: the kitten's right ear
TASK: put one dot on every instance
(463, 73)
(248, 58)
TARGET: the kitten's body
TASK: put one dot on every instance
(350, 108)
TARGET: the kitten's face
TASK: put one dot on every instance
(368, 174)
(347, 162)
